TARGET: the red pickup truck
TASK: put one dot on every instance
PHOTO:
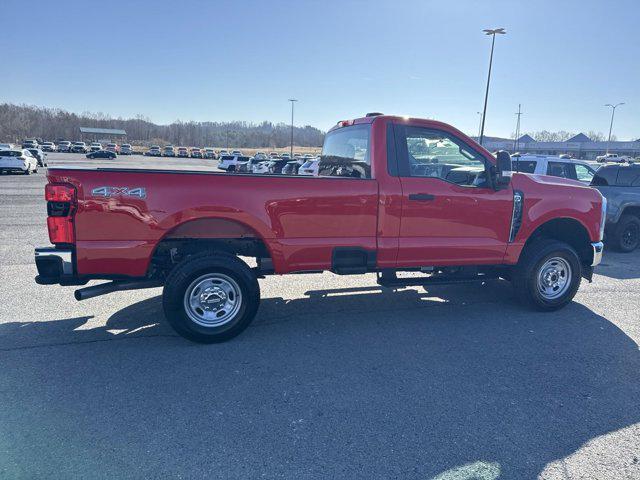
(393, 195)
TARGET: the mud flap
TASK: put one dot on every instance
(587, 273)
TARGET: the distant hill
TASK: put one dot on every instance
(23, 121)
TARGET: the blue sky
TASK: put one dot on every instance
(242, 60)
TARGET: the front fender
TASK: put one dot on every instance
(547, 199)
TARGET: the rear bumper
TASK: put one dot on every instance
(598, 248)
(56, 266)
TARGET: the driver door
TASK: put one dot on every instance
(451, 214)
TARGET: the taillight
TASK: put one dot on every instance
(59, 193)
(61, 202)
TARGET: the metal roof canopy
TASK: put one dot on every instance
(103, 131)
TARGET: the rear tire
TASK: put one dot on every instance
(626, 234)
(548, 275)
(211, 297)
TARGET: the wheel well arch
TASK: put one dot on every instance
(631, 210)
(568, 230)
(206, 234)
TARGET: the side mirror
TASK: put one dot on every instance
(503, 169)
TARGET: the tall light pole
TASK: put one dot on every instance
(493, 33)
(292, 100)
(613, 112)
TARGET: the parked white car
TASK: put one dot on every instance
(18, 160)
(95, 147)
(230, 162)
(555, 166)
(48, 147)
(79, 147)
(310, 167)
(261, 168)
(6, 146)
(126, 149)
(154, 151)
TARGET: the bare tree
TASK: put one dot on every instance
(547, 136)
(22, 121)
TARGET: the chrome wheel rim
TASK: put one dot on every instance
(212, 300)
(554, 278)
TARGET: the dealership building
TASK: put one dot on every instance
(579, 146)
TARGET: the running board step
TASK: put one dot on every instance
(433, 280)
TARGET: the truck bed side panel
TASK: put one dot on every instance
(300, 219)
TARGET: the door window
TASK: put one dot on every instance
(524, 166)
(584, 173)
(425, 152)
(562, 169)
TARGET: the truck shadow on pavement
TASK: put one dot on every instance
(618, 265)
(342, 383)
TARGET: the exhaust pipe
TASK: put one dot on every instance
(115, 286)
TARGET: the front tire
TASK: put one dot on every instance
(626, 234)
(548, 275)
(211, 297)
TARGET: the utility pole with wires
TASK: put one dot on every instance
(516, 141)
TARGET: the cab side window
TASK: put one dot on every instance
(628, 177)
(424, 152)
(346, 153)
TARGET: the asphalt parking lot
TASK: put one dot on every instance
(336, 378)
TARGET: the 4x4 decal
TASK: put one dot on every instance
(137, 192)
